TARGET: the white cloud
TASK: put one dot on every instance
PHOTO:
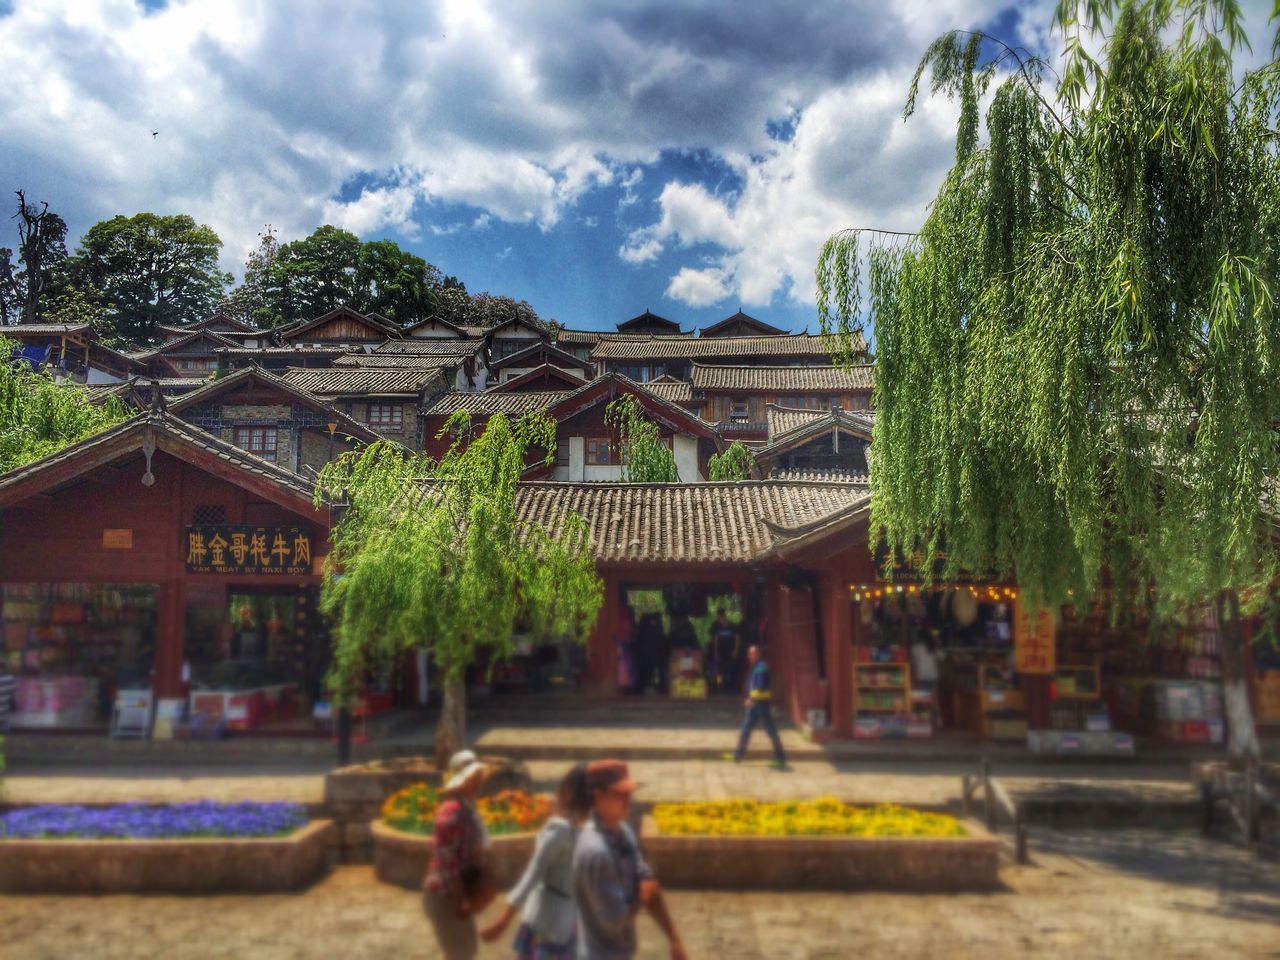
(698, 288)
(641, 247)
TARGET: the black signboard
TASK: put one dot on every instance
(243, 548)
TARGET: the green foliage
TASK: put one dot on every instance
(432, 552)
(1078, 354)
(151, 270)
(488, 310)
(735, 463)
(332, 268)
(645, 458)
(38, 417)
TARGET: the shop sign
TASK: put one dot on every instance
(117, 539)
(1034, 643)
(235, 548)
(906, 568)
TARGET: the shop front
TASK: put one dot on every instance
(155, 571)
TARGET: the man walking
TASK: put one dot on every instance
(611, 880)
(759, 704)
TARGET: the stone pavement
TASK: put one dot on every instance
(932, 785)
(1115, 894)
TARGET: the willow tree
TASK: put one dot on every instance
(433, 553)
(735, 463)
(1079, 359)
(39, 416)
(643, 455)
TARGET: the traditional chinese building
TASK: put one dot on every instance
(158, 557)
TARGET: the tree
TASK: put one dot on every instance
(38, 416)
(151, 270)
(332, 268)
(251, 301)
(489, 310)
(395, 283)
(453, 304)
(42, 250)
(1078, 353)
(735, 463)
(447, 562)
(643, 455)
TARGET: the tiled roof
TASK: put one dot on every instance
(539, 348)
(397, 361)
(787, 425)
(335, 350)
(782, 419)
(43, 329)
(233, 381)
(816, 476)
(567, 336)
(431, 346)
(375, 321)
(674, 391)
(781, 379)
(488, 403)
(361, 381)
(164, 425)
(766, 329)
(736, 523)
(616, 347)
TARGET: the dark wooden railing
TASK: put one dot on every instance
(995, 801)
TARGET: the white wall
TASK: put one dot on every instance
(685, 450)
(577, 458)
(601, 474)
(433, 330)
(96, 376)
(481, 379)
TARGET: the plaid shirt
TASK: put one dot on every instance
(459, 844)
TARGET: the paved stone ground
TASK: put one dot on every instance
(857, 782)
(1113, 894)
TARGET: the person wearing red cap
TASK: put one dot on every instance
(611, 880)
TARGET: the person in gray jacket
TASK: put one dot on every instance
(544, 894)
(612, 882)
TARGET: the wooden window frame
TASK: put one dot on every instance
(268, 441)
(394, 418)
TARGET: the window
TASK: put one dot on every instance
(637, 373)
(386, 415)
(598, 452)
(739, 409)
(208, 514)
(260, 441)
(505, 346)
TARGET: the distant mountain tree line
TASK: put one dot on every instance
(131, 275)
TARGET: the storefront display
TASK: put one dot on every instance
(71, 646)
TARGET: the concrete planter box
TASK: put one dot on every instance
(401, 858)
(205, 865)
(824, 863)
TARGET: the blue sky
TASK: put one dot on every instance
(595, 157)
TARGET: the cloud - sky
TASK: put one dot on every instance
(595, 158)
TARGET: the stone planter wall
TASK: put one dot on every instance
(354, 795)
(824, 863)
(205, 865)
(401, 858)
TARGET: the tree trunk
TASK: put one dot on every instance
(451, 729)
(1242, 734)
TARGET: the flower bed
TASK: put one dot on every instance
(824, 817)
(182, 848)
(142, 821)
(820, 844)
(413, 810)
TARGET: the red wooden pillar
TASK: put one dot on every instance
(170, 627)
(599, 677)
(838, 627)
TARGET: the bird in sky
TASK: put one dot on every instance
(155, 133)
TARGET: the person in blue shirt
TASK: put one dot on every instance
(759, 704)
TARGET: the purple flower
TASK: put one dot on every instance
(142, 821)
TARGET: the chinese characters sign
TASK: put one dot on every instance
(1035, 642)
(232, 548)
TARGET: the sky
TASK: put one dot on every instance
(595, 157)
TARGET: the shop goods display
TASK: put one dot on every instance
(142, 821)
(823, 817)
(413, 810)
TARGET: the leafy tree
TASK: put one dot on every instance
(38, 416)
(736, 463)
(332, 268)
(395, 283)
(1078, 353)
(152, 269)
(251, 301)
(453, 304)
(447, 562)
(42, 250)
(489, 310)
(645, 458)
